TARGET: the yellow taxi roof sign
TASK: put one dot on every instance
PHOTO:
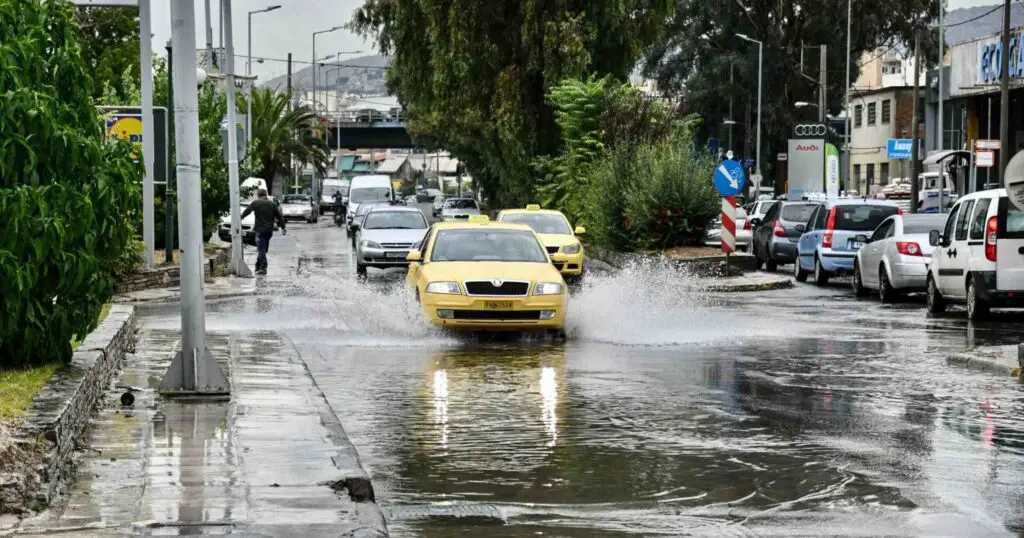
(479, 218)
(533, 207)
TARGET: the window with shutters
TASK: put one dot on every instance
(858, 112)
(872, 113)
(886, 110)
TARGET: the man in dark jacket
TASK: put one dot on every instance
(266, 213)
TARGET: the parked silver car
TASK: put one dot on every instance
(895, 257)
(387, 235)
(298, 207)
(459, 209)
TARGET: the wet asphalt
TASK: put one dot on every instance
(667, 412)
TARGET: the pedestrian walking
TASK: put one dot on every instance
(267, 212)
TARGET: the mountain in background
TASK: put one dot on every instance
(364, 75)
(972, 23)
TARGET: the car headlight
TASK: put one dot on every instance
(371, 244)
(549, 288)
(446, 288)
(571, 249)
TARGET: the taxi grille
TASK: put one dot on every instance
(486, 287)
(553, 250)
(497, 315)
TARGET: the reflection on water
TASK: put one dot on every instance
(549, 392)
(441, 405)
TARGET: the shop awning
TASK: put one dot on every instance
(945, 155)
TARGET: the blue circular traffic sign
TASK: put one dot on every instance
(729, 178)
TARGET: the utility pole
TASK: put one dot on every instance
(732, 65)
(193, 370)
(822, 91)
(209, 31)
(148, 137)
(291, 99)
(238, 266)
(169, 187)
(914, 157)
(941, 141)
(1004, 96)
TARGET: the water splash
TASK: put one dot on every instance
(656, 304)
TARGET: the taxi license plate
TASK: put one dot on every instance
(396, 255)
(498, 305)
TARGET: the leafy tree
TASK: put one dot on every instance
(280, 134)
(109, 39)
(474, 74)
(693, 62)
(68, 198)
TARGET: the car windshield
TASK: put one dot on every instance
(403, 220)
(542, 223)
(797, 212)
(470, 245)
(862, 217)
(923, 224)
(331, 190)
(296, 199)
(460, 203)
(367, 194)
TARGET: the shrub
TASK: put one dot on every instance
(68, 199)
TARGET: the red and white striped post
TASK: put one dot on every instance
(728, 228)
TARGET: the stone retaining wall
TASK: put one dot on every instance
(711, 266)
(61, 411)
(167, 277)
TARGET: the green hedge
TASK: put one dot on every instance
(68, 200)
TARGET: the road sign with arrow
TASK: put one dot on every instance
(729, 178)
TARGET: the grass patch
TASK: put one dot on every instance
(19, 387)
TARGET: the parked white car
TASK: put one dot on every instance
(894, 259)
(713, 238)
(978, 258)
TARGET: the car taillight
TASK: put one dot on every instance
(899, 211)
(908, 248)
(778, 229)
(990, 238)
(747, 224)
(827, 240)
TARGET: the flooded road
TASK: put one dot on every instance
(667, 412)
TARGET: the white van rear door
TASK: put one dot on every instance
(1010, 251)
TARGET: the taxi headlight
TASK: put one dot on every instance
(549, 288)
(571, 249)
(446, 288)
(371, 244)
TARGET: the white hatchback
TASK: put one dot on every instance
(978, 258)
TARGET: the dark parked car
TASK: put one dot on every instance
(776, 236)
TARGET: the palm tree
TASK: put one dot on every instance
(280, 134)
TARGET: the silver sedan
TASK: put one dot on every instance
(895, 257)
(387, 235)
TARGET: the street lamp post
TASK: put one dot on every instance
(849, 124)
(760, 73)
(314, 182)
(248, 70)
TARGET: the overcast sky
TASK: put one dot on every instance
(274, 34)
(290, 29)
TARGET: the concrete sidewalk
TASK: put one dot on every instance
(273, 461)
(1002, 360)
(219, 288)
(756, 281)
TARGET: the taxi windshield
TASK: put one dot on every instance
(493, 245)
(542, 223)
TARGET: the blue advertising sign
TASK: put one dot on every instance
(749, 162)
(729, 178)
(714, 145)
(899, 149)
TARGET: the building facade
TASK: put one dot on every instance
(878, 116)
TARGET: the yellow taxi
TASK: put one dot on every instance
(554, 231)
(483, 275)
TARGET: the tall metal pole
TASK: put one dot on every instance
(988, 134)
(823, 90)
(148, 138)
(732, 65)
(849, 124)
(1004, 96)
(316, 117)
(192, 370)
(209, 30)
(760, 75)
(169, 187)
(915, 157)
(248, 72)
(238, 266)
(941, 139)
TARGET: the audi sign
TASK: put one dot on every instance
(806, 168)
(809, 130)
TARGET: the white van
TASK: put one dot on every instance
(330, 187)
(978, 258)
(367, 189)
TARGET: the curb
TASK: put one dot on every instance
(62, 409)
(999, 360)
(780, 284)
(175, 296)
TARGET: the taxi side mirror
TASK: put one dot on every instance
(414, 257)
(580, 230)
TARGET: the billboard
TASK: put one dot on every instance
(126, 123)
(832, 171)
(806, 171)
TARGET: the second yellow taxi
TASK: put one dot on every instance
(491, 276)
(554, 231)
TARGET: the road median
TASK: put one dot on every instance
(1000, 360)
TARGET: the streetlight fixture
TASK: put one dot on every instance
(760, 73)
(248, 70)
(314, 183)
(804, 104)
